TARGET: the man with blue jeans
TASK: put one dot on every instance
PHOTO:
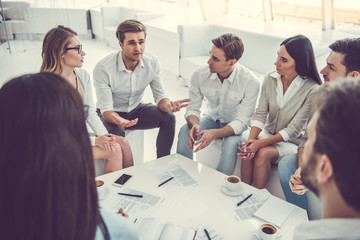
(343, 61)
(231, 91)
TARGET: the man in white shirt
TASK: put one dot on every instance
(231, 91)
(331, 162)
(120, 80)
(343, 61)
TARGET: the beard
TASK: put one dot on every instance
(308, 176)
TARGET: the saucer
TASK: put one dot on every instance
(225, 190)
(255, 236)
(105, 194)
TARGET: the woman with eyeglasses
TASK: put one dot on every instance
(62, 54)
(47, 174)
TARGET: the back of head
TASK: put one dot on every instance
(300, 49)
(46, 167)
(130, 25)
(337, 134)
(350, 47)
(231, 44)
(54, 44)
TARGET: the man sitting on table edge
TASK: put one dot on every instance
(120, 80)
(331, 162)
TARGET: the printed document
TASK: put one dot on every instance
(132, 206)
(181, 177)
(249, 207)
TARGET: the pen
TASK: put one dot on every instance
(130, 195)
(207, 234)
(165, 182)
(242, 201)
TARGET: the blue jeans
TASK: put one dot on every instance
(287, 167)
(229, 145)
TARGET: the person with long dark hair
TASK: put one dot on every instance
(46, 168)
(62, 54)
(283, 111)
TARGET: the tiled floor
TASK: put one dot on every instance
(26, 58)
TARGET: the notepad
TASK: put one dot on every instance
(155, 229)
(275, 211)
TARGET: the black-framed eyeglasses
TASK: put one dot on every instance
(86, 110)
(78, 48)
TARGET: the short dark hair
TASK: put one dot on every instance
(338, 132)
(231, 44)
(46, 166)
(350, 47)
(300, 49)
(130, 25)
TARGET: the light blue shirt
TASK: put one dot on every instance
(119, 227)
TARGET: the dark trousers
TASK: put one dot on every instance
(150, 116)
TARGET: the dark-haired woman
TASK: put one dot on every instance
(62, 54)
(46, 167)
(283, 110)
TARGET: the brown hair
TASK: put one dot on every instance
(130, 25)
(337, 134)
(54, 44)
(231, 44)
(350, 47)
(46, 166)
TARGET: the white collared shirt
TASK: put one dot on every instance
(282, 99)
(122, 90)
(232, 102)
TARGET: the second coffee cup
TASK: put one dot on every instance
(269, 232)
(233, 183)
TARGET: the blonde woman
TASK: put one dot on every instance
(62, 54)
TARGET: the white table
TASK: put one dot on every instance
(205, 201)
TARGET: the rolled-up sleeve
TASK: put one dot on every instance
(196, 97)
(156, 84)
(245, 109)
(103, 89)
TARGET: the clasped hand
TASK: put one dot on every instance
(206, 137)
(249, 148)
(296, 184)
(107, 142)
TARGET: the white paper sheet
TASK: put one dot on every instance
(133, 206)
(181, 177)
(249, 207)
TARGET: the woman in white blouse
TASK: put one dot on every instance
(283, 110)
(62, 54)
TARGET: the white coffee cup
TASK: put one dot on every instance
(268, 231)
(233, 183)
(100, 187)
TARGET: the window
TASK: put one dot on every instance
(347, 14)
(246, 8)
(305, 11)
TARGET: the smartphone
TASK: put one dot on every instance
(122, 180)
